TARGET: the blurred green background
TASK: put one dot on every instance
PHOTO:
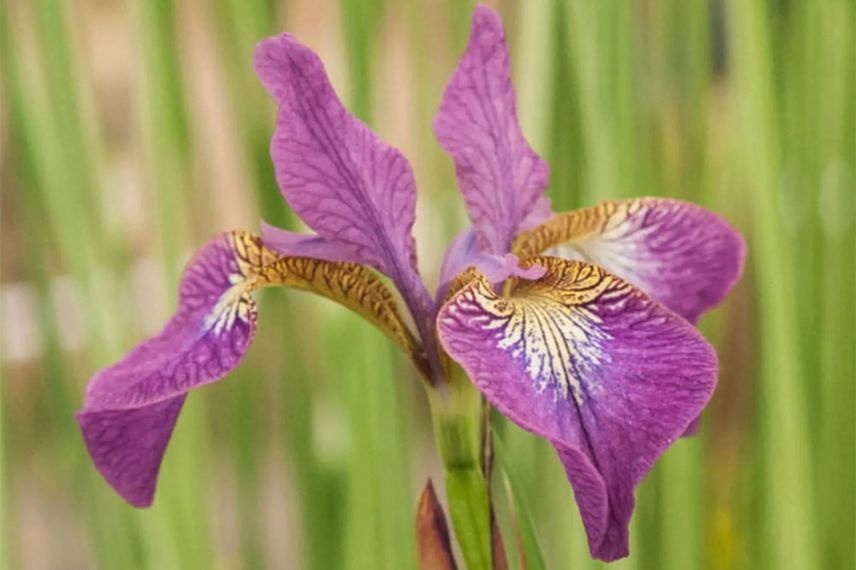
(132, 131)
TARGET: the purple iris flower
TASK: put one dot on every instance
(578, 326)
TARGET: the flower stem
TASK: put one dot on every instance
(456, 408)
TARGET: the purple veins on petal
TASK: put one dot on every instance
(131, 407)
(500, 175)
(582, 358)
(355, 191)
(127, 445)
(345, 183)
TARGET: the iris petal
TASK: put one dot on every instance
(684, 256)
(131, 407)
(500, 175)
(459, 255)
(609, 376)
(355, 191)
(127, 445)
(290, 243)
(541, 212)
(465, 251)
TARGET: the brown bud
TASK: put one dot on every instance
(433, 546)
(500, 562)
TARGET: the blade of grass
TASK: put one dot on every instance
(241, 25)
(320, 481)
(789, 537)
(43, 156)
(379, 498)
(525, 526)
(836, 468)
(63, 77)
(678, 509)
(166, 132)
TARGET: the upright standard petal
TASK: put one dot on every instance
(131, 407)
(500, 176)
(684, 256)
(587, 361)
(343, 181)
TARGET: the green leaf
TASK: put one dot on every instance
(523, 518)
(469, 508)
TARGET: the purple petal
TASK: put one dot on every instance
(541, 212)
(343, 181)
(587, 361)
(684, 256)
(500, 176)
(127, 445)
(294, 244)
(352, 189)
(131, 407)
(464, 251)
(499, 268)
(461, 253)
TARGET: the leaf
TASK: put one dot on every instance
(524, 526)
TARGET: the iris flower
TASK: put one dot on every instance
(578, 326)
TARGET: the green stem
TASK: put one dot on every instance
(457, 416)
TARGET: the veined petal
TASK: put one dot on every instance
(500, 176)
(289, 243)
(131, 407)
(205, 338)
(127, 445)
(594, 365)
(351, 285)
(341, 179)
(684, 256)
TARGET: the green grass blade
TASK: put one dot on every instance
(525, 526)
(790, 537)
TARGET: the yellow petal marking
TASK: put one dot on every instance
(578, 225)
(348, 284)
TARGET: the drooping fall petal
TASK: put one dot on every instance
(500, 176)
(131, 407)
(127, 445)
(609, 376)
(355, 191)
(684, 256)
